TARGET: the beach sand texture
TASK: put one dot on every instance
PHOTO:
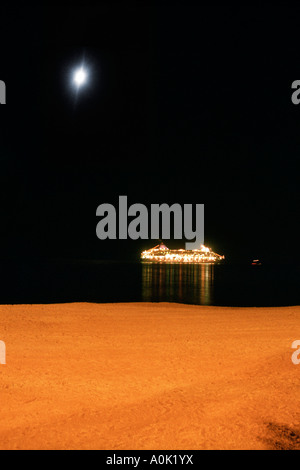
(149, 376)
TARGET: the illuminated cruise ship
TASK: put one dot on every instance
(162, 254)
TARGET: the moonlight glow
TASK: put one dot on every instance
(80, 77)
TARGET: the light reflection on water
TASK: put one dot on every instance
(192, 283)
(103, 281)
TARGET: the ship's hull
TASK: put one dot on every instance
(179, 262)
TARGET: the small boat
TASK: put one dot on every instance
(256, 262)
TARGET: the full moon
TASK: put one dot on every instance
(80, 77)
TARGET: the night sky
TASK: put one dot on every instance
(185, 104)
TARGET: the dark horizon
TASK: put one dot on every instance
(185, 105)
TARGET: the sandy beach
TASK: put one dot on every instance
(149, 376)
